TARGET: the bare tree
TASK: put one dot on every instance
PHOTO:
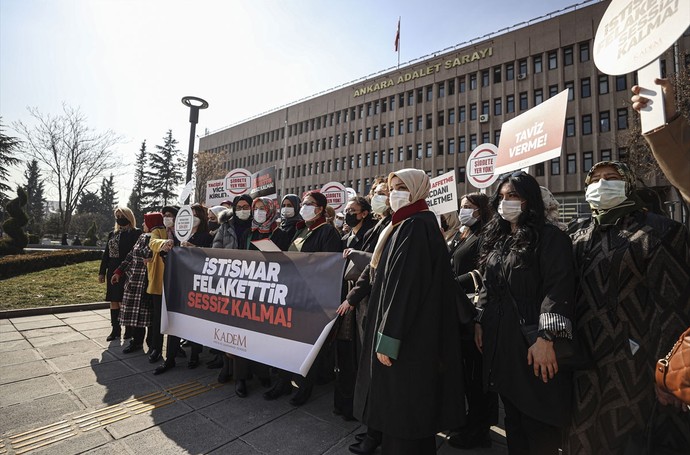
(209, 166)
(74, 154)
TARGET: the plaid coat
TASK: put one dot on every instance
(134, 311)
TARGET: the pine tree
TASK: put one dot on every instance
(107, 198)
(8, 147)
(14, 226)
(136, 198)
(89, 202)
(36, 197)
(165, 173)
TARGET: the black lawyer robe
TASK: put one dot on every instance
(412, 302)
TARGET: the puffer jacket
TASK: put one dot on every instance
(225, 235)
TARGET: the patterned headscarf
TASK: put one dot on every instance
(271, 215)
(551, 208)
(623, 169)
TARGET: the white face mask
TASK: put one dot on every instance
(605, 194)
(510, 210)
(243, 214)
(466, 217)
(308, 212)
(399, 199)
(196, 221)
(338, 223)
(168, 221)
(259, 216)
(378, 203)
(287, 212)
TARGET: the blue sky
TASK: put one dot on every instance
(127, 63)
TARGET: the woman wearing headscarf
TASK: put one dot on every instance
(289, 217)
(264, 216)
(450, 224)
(482, 406)
(136, 303)
(409, 383)
(633, 299)
(528, 281)
(313, 235)
(213, 222)
(120, 242)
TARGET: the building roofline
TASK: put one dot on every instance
(414, 61)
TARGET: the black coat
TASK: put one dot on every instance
(545, 285)
(324, 238)
(465, 256)
(114, 292)
(410, 304)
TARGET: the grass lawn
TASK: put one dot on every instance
(76, 283)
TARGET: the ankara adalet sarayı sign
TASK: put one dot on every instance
(272, 307)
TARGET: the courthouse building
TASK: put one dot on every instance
(430, 114)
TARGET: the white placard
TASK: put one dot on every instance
(336, 194)
(481, 165)
(216, 193)
(651, 116)
(184, 222)
(443, 196)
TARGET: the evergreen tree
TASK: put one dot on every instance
(136, 198)
(36, 197)
(8, 147)
(164, 174)
(89, 202)
(14, 226)
(107, 198)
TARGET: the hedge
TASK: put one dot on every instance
(20, 264)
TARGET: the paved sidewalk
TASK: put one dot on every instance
(65, 390)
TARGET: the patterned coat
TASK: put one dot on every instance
(633, 301)
(134, 311)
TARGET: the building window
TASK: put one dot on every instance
(497, 136)
(410, 98)
(441, 86)
(410, 125)
(419, 123)
(462, 144)
(571, 164)
(621, 83)
(391, 129)
(485, 108)
(538, 66)
(352, 162)
(376, 132)
(497, 74)
(441, 118)
(367, 160)
(473, 111)
(368, 134)
(383, 157)
(586, 124)
(485, 137)
(605, 155)
(587, 161)
(369, 110)
(359, 161)
(584, 52)
(419, 151)
(401, 100)
(391, 104)
(439, 148)
(539, 169)
(461, 174)
(429, 93)
(451, 87)
(485, 78)
(451, 146)
(585, 88)
(523, 101)
(510, 71)
(568, 56)
(553, 90)
(622, 118)
(603, 84)
(451, 116)
(623, 153)
(473, 141)
(497, 106)
(510, 104)
(429, 150)
(420, 96)
(400, 154)
(429, 121)
(409, 153)
(538, 96)
(462, 85)
(553, 60)
(522, 67)
(473, 81)
(570, 86)
(461, 114)
(556, 166)
(604, 121)
(570, 127)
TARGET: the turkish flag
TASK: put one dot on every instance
(397, 37)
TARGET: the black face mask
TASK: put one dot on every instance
(351, 219)
(212, 225)
(122, 221)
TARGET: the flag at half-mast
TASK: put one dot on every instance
(397, 37)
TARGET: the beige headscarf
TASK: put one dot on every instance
(551, 208)
(417, 183)
(453, 223)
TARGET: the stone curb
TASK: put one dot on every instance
(6, 314)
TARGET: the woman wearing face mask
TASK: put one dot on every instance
(264, 216)
(482, 407)
(242, 217)
(120, 242)
(136, 308)
(633, 299)
(528, 279)
(200, 238)
(289, 216)
(213, 222)
(313, 235)
(409, 383)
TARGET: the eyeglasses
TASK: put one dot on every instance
(312, 204)
(352, 212)
(512, 175)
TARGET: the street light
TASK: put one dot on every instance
(194, 105)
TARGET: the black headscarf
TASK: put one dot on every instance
(241, 225)
(286, 223)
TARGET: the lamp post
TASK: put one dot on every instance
(194, 105)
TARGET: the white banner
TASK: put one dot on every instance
(443, 197)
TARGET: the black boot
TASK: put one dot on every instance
(282, 387)
(137, 342)
(115, 322)
(129, 332)
(224, 375)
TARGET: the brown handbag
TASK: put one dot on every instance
(673, 371)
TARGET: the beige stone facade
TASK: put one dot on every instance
(430, 114)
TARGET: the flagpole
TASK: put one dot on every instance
(399, 17)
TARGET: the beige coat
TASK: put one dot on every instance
(671, 148)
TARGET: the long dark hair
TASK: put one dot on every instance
(526, 236)
(202, 213)
(481, 201)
